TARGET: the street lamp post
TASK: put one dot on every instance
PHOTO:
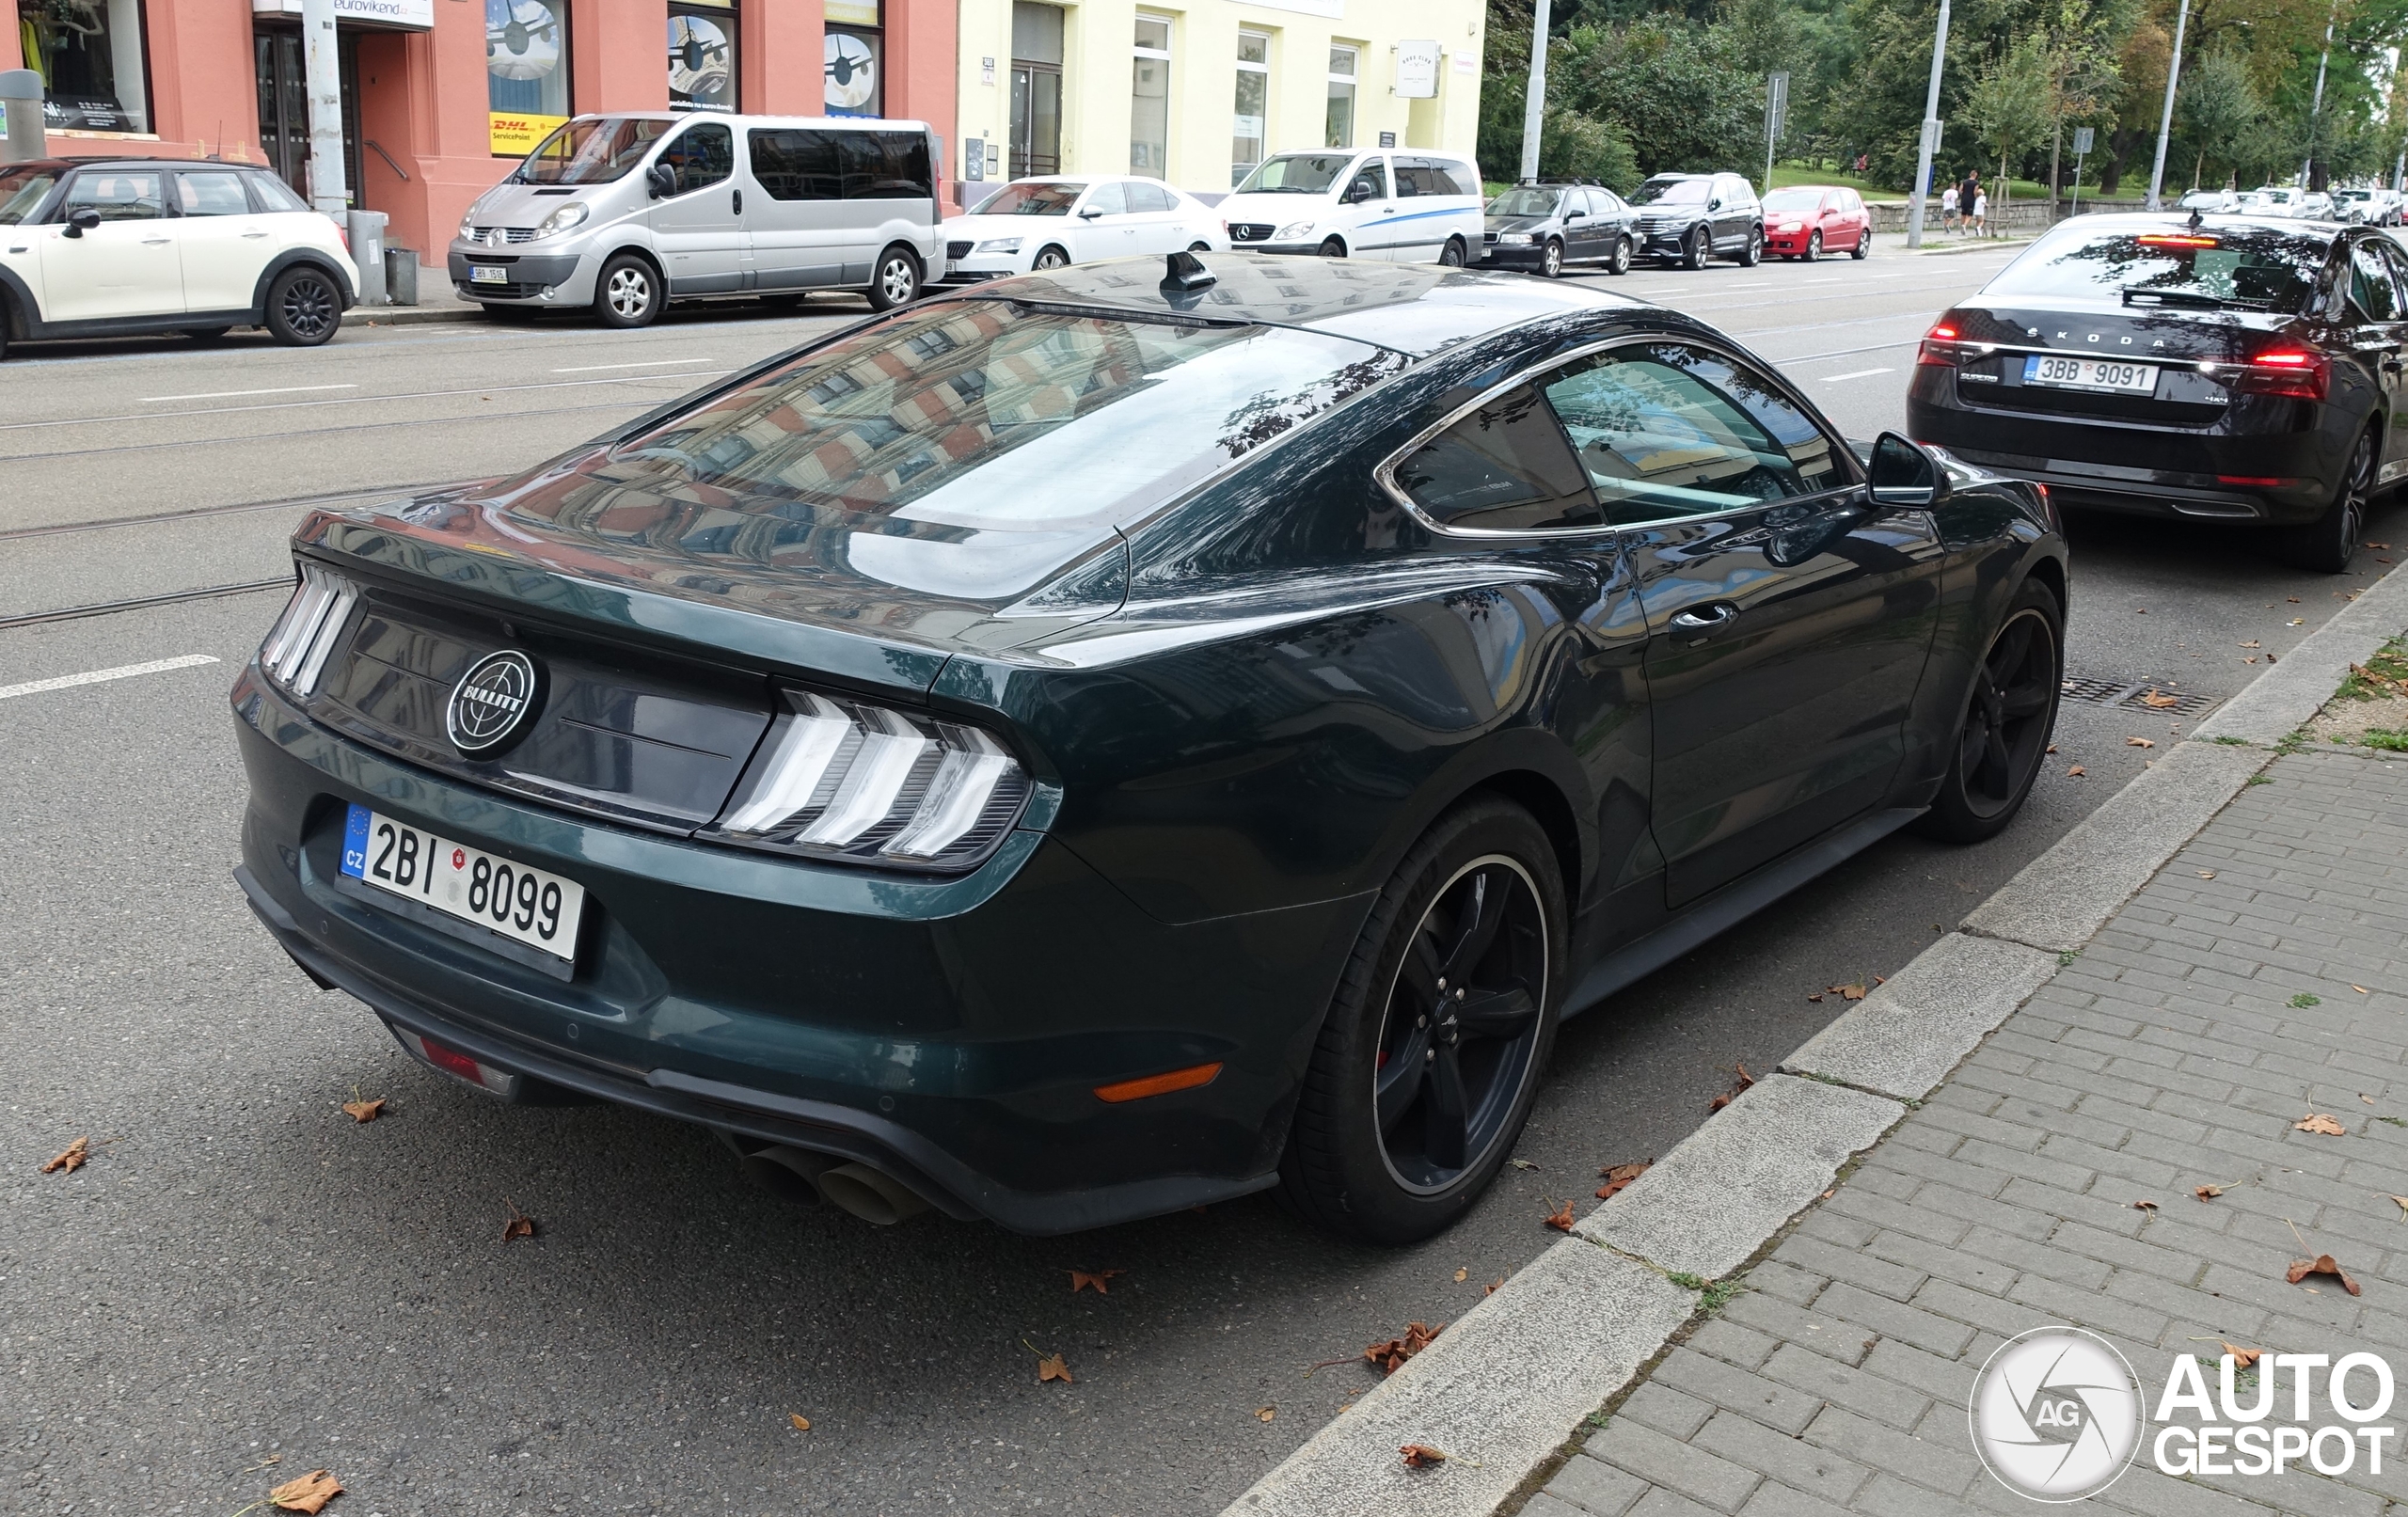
(1535, 111)
(2165, 117)
(2315, 107)
(322, 80)
(1930, 133)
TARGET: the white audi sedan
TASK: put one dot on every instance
(1046, 223)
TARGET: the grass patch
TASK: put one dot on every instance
(2384, 737)
(2302, 1001)
(2393, 1120)
(2382, 674)
(2261, 778)
(2067, 957)
(2231, 742)
(1713, 1295)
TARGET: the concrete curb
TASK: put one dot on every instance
(410, 315)
(1512, 1383)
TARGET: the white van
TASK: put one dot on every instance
(1400, 207)
(626, 212)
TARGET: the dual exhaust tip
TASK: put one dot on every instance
(810, 1179)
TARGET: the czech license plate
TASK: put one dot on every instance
(489, 273)
(2090, 373)
(534, 908)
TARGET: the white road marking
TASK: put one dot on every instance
(1860, 373)
(229, 394)
(649, 363)
(98, 676)
(483, 391)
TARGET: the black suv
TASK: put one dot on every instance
(1687, 218)
(1544, 225)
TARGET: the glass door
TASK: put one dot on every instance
(1036, 118)
(1253, 104)
(284, 105)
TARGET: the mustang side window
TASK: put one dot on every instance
(1506, 465)
(1666, 431)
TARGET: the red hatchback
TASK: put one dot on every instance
(1809, 220)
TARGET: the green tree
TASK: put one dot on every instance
(2008, 106)
(1673, 85)
(2219, 113)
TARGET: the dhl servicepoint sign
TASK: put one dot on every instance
(514, 134)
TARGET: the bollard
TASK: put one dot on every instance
(367, 232)
(21, 97)
(401, 276)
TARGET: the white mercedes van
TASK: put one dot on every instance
(1398, 206)
(624, 213)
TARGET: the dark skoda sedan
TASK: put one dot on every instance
(1116, 740)
(2224, 369)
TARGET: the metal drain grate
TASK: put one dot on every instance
(2135, 693)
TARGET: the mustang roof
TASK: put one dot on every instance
(1417, 309)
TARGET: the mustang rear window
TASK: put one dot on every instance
(993, 414)
(2256, 268)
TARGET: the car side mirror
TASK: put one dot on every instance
(1357, 193)
(1089, 213)
(663, 178)
(81, 220)
(1906, 474)
(1714, 205)
(1575, 216)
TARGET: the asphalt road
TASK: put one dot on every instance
(241, 1274)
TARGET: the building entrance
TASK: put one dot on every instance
(284, 105)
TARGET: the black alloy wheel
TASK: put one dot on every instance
(1452, 256)
(2328, 543)
(1814, 245)
(303, 308)
(1551, 258)
(896, 281)
(1426, 1066)
(628, 292)
(2009, 715)
(1696, 249)
(1049, 257)
(1620, 262)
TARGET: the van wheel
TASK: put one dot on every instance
(1452, 256)
(1332, 248)
(303, 307)
(627, 293)
(1050, 258)
(1430, 1056)
(1199, 247)
(897, 281)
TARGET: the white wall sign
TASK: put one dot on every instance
(398, 15)
(1416, 68)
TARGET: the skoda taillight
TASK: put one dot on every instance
(1941, 347)
(2298, 373)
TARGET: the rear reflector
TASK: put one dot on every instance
(1187, 1079)
(451, 1061)
(2260, 482)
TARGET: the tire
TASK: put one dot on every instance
(1462, 1089)
(304, 307)
(1049, 258)
(1452, 256)
(1814, 245)
(2326, 545)
(628, 292)
(1620, 262)
(1696, 249)
(1863, 243)
(1753, 253)
(1551, 258)
(1199, 247)
(1332, 248)
(896, 281)
(1995, 753)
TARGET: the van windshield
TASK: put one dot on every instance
(1296, 173)
(593, 151)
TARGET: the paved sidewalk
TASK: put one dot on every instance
(2260, 976)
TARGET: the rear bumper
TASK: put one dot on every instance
(948, 1032)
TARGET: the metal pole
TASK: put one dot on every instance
(322, 77)
(2165, 117)
(20, 99)
(1534, 112)
(2077, 186)
(2316, 107)
(1930, 133)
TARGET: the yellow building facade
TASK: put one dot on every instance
(1197, 93)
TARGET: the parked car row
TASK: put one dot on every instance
(2350, 207)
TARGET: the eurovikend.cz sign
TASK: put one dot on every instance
(399, 15)
(2057, 1414)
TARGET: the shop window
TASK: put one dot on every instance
(525, 72)
(1150, 99)
(702, 56)
(1338, 126)
(90, 56)
(856, 58)
(1253, 104)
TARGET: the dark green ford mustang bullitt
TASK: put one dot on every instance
(1117, 739)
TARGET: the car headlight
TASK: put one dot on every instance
(1514, 237)
(854, 782)
(1000, 244)
(469, 225)
(1788, 227)
(1294, 230)
(562, 219)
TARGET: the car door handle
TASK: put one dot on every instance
(738, 197)
(1704, 622)
(153, 242)
(254, 235)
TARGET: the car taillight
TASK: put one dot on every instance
(2296, 372)
(1941, 347)
(294, 654)
(847, 780)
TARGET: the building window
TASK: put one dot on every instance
(1337, 129)
(525, 72)
(856, 58)
(1150, 99)
(90, 56)
(1254, 104)
(702, 56)
(1037, 89)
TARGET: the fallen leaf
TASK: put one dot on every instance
(1746, 1078)
(1462, 1276)
(2076, 770)
(2158, 700)
(2321, 1264)
(1816, 997)
(2143, 1206)
(2319, 1122)
(1521, 1164)
(2368, 1099)
(2138, 742)
(2206, 1192)
(2361, 990)
(1421, 1457)
(73, 1160)
(2294, 599)
(307, 1492)
(1097, 1278)
(2251, 643)
(801, 1422)
(1560, 1218)
(1264, 1413)
(518, 1225)
(1498, 1283)
(2403, 1206)
(2207, 873)
(1052, 1368)
(1848, 992)
(2296, 621)
(1391, 1356)
(1827, 1195)
(364, 1111)
(2379, 544)
(2242, 1358)
(1618, 1176)
(2053, 748)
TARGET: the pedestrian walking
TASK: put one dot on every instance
(1981, 213)
(1948, 209)
(1967, 188)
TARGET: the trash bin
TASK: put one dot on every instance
(401, 276)
(366, 230)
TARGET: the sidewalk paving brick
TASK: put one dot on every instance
(2178, 1048)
